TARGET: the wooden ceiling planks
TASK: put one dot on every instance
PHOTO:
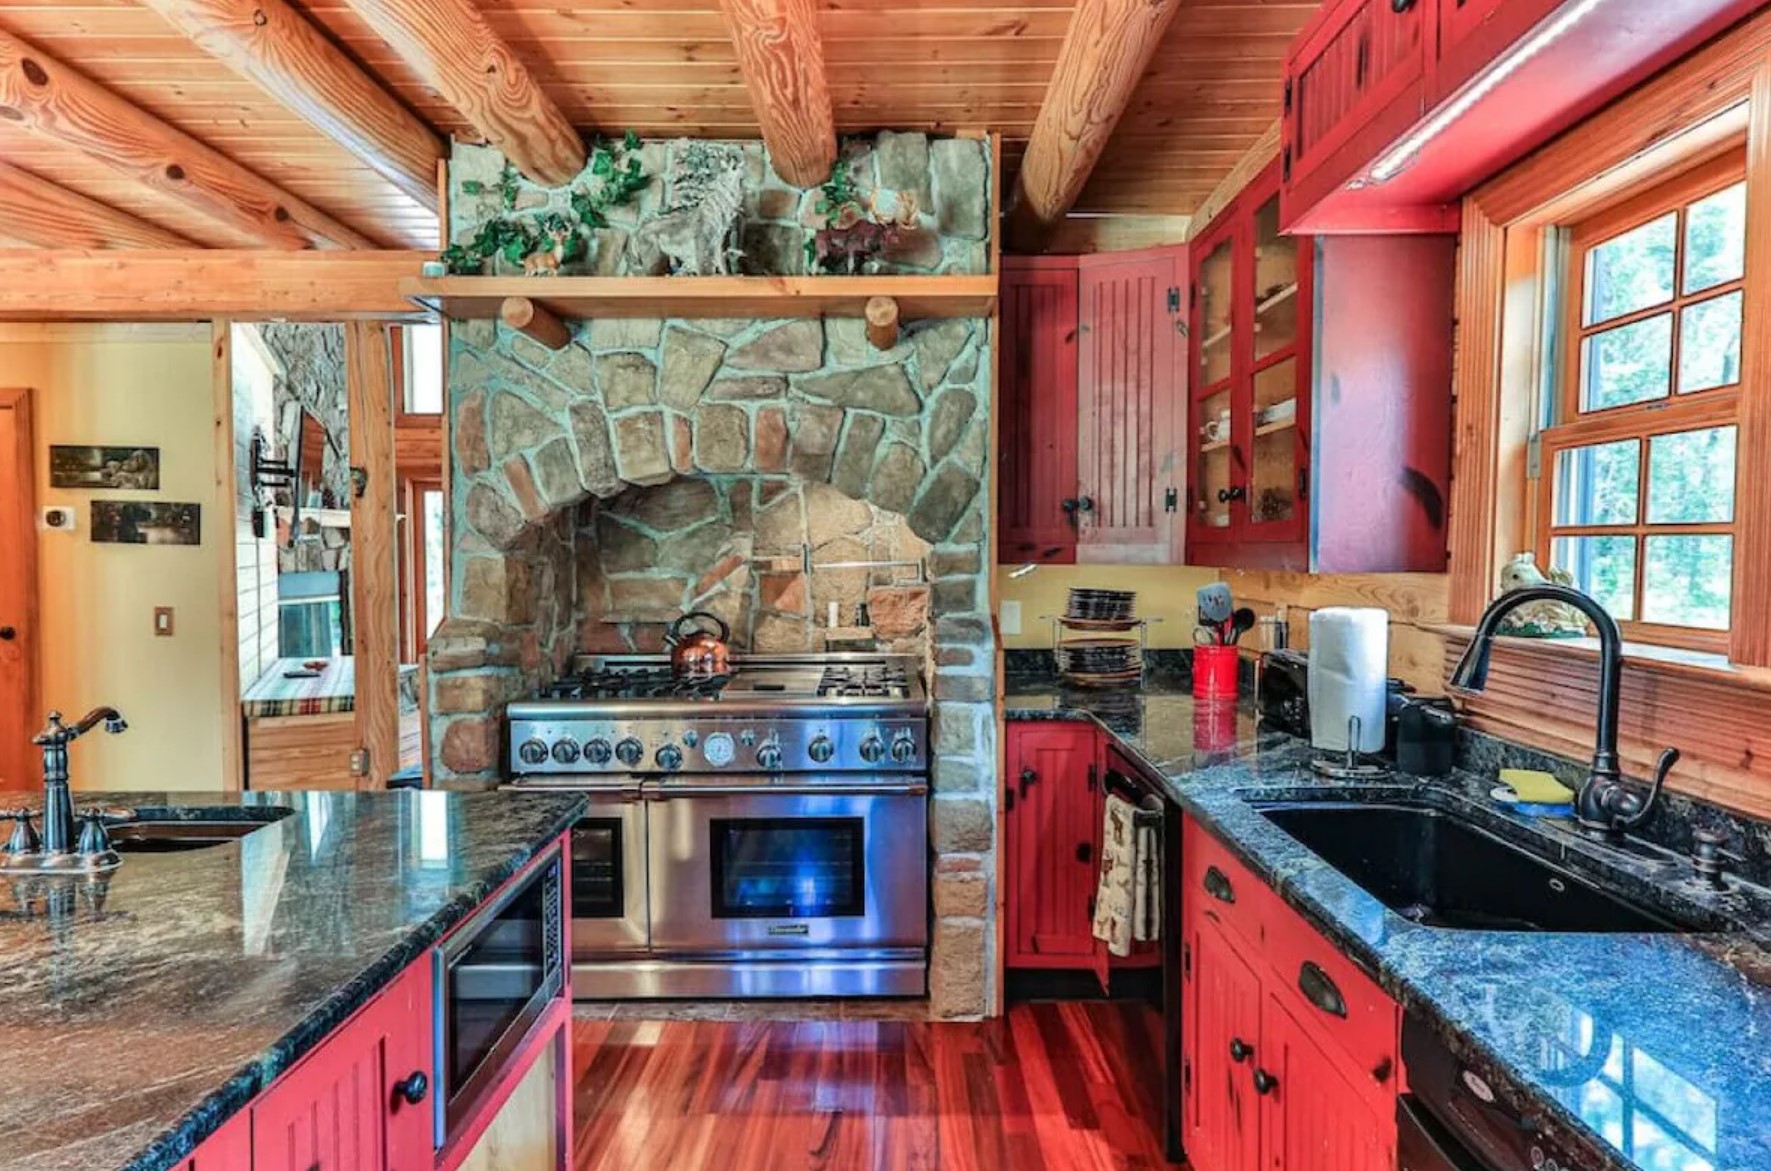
(666, 67)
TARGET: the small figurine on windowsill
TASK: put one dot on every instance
(1545, 619)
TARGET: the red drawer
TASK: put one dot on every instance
(1221, 888)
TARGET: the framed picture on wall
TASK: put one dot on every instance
(109, 468)
(146, 522)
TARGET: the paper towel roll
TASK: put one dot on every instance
(1349, 673)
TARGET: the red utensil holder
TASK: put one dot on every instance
(1215, 672)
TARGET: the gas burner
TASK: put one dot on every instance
(870, 680)
(636, 683)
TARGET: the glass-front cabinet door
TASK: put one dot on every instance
(1250, 391)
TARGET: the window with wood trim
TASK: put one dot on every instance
(1637, 458)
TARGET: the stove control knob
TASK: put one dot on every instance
(566, 751)
(821, 749)
(669, 758)
(597, 751)
(629, 751)
(533, 752)
(873, 750)
(903, 748)
(768, 757)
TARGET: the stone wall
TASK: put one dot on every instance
(312, 380)
(652, 466)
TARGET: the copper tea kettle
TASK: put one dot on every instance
(699, 651)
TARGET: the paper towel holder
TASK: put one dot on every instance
(1353, 765)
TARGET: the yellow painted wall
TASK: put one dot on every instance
(149, 385)
(1164, 591)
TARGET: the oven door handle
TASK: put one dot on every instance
(666, 790)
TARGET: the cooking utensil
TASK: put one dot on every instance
(699, 651)
(1215, 604)
(1241, 622)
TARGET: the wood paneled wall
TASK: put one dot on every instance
(1416, 602)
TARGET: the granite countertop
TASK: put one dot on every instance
(138, 1014)
(1652, 1050)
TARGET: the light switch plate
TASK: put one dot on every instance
(1011, 617)
(163, 622)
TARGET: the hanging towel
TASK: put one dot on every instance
(1128, 902)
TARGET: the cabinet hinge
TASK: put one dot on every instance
(1186, 961)
(1171, 500)
(1186, 1076)
(1008, 800)
(1174, 299)
(1091, 778)
(1534, 457)
(1287, 98)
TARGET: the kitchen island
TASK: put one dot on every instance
(1641, 1051)
(144, 1010)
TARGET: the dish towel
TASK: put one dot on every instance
(1128, 901)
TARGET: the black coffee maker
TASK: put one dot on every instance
(1283, 692)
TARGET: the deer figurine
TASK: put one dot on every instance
(546, 261)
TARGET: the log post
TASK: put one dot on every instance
(882, 322)
(525, 316)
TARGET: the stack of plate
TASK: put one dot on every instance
(1101, 606)
(1100, 662)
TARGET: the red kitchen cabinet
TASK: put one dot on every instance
(1221, 1023)
(346, 1106)
(1312, 1118)
(1051, 838)
(228, 1149)
(1037, 398)
(1092, 399)
(1361, 60)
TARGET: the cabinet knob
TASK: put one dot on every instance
(413, 1089)
(7, 633)
(1264, 1082)
(1240, 1050)
(1028, 776)
(1085, 852)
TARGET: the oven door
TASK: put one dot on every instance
(762, 865)
(609, 877)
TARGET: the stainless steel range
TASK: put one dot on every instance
(762, 833)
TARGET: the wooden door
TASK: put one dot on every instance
(1223, 1046)
(1036, 454)
(1312, 1119)
(1051, 830)
(1130, 393)
(339, 1110)
(18, 593)
(375, 602)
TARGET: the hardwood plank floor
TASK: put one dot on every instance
(1050, 1087)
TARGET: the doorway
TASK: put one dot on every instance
(18, 590)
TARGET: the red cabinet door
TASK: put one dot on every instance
(1036, 455)
(1355, 61)
(338, 1109)
(228, 1149)
(1474, 32)
(1311, 1116)
(1222, 1046)
(1130, 392)
(1051, 839)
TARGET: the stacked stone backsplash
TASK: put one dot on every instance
(312, 380)
(653, 466)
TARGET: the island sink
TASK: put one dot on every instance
(1440, 870)
(169, 837)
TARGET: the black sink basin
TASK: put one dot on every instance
(171, 837)
(1439, 870)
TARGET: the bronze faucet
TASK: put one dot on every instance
(58, 847)
(1603, 806)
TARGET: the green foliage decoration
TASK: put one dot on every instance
(617, 177)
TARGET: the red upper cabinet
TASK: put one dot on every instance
(1051, 838)
(361, 1101)
(1038, 495)
(1091, 401)
(1394, 108)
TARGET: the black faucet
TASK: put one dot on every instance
(1604, 806)
(58, 801)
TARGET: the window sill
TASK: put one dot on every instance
(1664, 660)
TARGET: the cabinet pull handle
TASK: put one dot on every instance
(1225, 495)
(1264, 1082)
(1320, 990)
(1218, 886)
(1240, 1050)
(1401, 6)
(1085, 852)
(1028, 776)
(413, 1089)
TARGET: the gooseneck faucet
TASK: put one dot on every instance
(58, 801)
(1604, 805)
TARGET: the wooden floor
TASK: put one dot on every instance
(1051, 1087)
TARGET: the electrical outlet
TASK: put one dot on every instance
(59, 518)
(1011, 617)
(163, 622)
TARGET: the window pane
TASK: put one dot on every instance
(1604, 567)
(1687, 581)
(1709, 344)
(1715, 239)
(1629, 364)
(1597, 485)
(434, 605)
(1691, 477)
(424, 369)
(1633, 271)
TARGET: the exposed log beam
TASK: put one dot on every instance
(47, 97)
(455, 51)
(204, 284)
(525, 316)
(1108, 46)
(783, 63)
(49, 215)
(269, 42)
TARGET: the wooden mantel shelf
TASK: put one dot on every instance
(577, 298)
